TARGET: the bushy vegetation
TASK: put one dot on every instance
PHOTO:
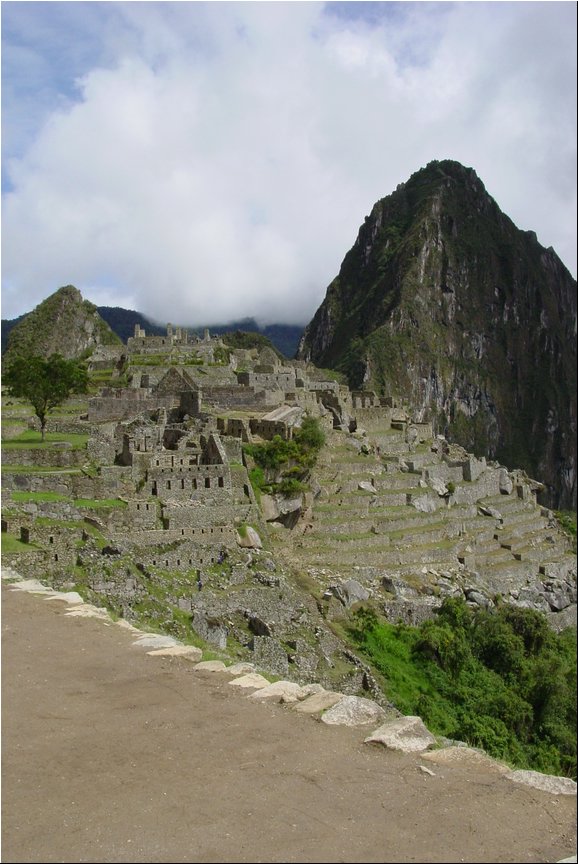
(284, 466)
(498, 679)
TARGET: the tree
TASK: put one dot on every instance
(45, 383)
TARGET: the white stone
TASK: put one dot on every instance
(188, 651)
(32, 585)
(210, 666)
(251, 540)
(152, 640)
(253, 679)
(408, 734)
(465, 755)
(240, 669)
(545, 782)
(71, 597)
(353, 711)
(280, 691)
(86, 610)
(318, 702)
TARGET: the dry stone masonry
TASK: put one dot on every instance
(158, 517)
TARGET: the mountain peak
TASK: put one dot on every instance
(64, 323)
(444, 303)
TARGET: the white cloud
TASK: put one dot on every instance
(220, 166)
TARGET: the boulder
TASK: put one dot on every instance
(240, 669)
(438, 486)
(424, 503)
(318, 702)
(280, 691)
(545, 782)
(349, 592)
(505, 482)
(408, 734)
(252, 680)
(490, 511)
(187, 651)
(353, 711)
(210, 666)
(250, 539)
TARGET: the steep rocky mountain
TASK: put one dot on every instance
(443, 303)
(64, 323)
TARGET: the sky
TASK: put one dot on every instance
(202, 162)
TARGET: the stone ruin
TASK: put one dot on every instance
(395, 514)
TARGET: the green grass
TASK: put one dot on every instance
(12, 544)
(38, 497)
(49, 497)
(99, 503)
(38, 469)
(32, 440)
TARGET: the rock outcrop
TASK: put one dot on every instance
(65, 324)
(443, 301)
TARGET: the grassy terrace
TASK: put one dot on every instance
(10, 543)
(39, 469)
(32, 440)
(48, 497)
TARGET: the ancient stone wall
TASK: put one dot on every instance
(53, 458)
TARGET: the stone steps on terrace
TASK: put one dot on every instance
(386, 482)
(539, 552)
(507, 504)
(522, 534)
(363, 499)
(504, 575)
(522, 524)
(493, 556)
(558, 566)
(408, 520)
(384, 555)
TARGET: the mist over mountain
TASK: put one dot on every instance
(285, 337)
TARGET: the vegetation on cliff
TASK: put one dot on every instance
(443, 302)
(499, 679)
(63, 323)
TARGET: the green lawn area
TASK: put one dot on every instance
(32, 440)
(12, 544)
(38, 469)
(44, 497)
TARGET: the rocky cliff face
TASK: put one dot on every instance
(64, 323)
(443, 303)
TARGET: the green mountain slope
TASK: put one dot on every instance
(64, 323)
(444, 303)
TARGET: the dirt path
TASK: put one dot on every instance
(109, 755)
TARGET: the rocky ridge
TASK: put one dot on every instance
(65, 324)
(444, 302)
